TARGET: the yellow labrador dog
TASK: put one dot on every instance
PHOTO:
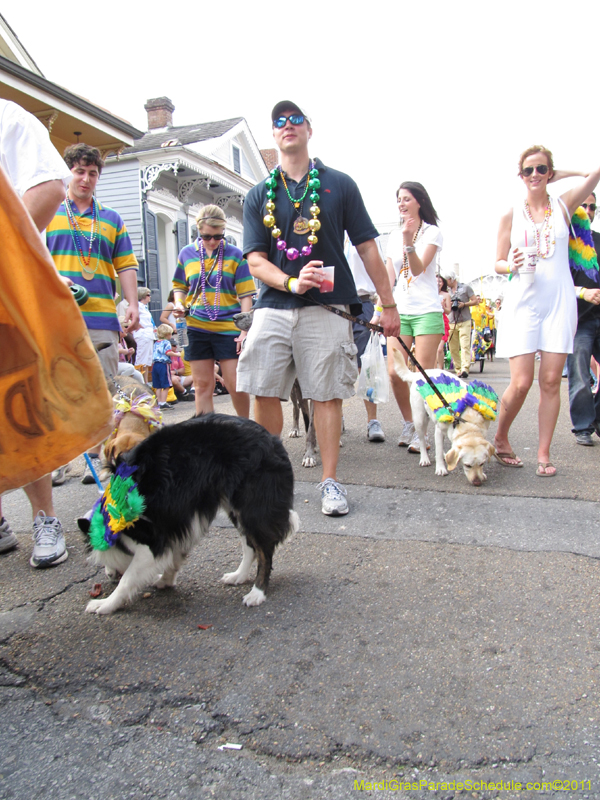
(469, 445)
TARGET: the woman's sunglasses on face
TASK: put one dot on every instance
(295, 119)
(541, 169)
(591, 206)
(215, 237)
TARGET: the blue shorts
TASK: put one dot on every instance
(161, 375)
(205, 346)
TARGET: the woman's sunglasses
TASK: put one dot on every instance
(295, 119)
(591, 206)
(216, 237)
(541, 169)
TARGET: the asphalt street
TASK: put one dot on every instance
(438, 636)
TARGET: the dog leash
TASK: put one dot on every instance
(379, 329)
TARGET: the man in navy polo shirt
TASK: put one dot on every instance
(294, 224)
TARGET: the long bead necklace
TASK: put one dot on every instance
(78, 236)
(405, 257)
(547, 227)
(301, 225)
(214, 312)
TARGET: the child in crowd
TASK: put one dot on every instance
(182, 383)
(161, 365)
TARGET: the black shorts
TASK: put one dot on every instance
(205, 346)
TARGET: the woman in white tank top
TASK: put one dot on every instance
(539, 311)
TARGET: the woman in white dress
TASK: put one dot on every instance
(412, 256)
(539, 313)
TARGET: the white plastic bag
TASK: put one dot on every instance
(374, 382)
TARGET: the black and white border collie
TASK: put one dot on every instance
(186, 472)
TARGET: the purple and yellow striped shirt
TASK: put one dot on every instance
(236, 282)
(112, 253)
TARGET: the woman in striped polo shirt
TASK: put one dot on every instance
(213, 282)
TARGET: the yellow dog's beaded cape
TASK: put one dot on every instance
(459, 397)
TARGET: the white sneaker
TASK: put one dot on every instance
(60, 475)
(408, 434)
(8, 540)
(49, 548)
(375, 431)
(333, 500)
(415, 445)
(88, 477)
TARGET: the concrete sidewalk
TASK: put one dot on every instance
(437, 633)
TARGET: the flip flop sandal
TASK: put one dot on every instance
(502, 456)
(542, 467)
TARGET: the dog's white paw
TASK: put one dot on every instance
(425, 460)
(441, 471)
(234, 578)
(309, 461)
(111, 573)
(294, 434)
(166, 583)
(99, 607)
(255, 597)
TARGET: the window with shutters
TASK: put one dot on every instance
(237, 162)
(181, 230)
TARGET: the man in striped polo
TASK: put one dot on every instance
(91, 247)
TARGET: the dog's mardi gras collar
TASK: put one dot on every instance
(582, 253)
(478, 395)
(119, 507)
(143, 407)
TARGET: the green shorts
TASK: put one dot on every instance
(422, 324)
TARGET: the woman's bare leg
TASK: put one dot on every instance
(550, 379)
(521, 378)
(400, 389)
(240, 400)
(203, 373)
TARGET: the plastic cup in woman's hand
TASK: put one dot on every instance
(527, 268)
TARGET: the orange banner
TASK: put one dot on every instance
(54, 403)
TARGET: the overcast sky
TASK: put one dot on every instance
(445, 93)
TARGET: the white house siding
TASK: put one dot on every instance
(247, 169)
(119, 188)
(223, 154)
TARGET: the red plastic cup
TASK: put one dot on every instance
(328, 279)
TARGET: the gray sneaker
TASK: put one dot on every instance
(60, 475)
(88, 478)
(408, 433)
(8, 540)
(375, 431)
(415, 445)
(584, 438)
(333, 500)
(49, 548)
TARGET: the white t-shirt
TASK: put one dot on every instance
(364, 284)
(416, 295)
(26, 153)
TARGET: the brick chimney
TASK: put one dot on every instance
(160, 113)
(270, 157)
